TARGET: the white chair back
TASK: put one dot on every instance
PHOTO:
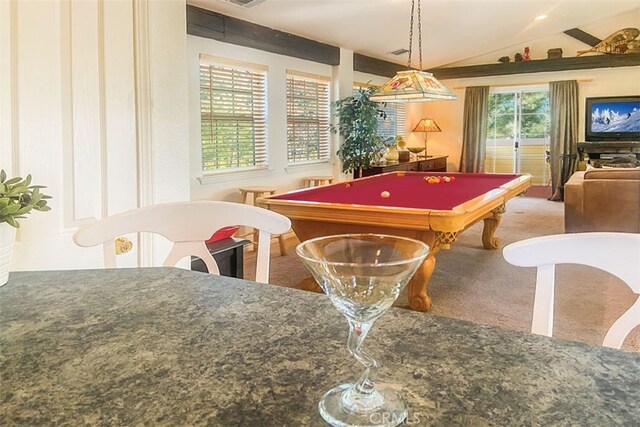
(187, 225)
(616, 253)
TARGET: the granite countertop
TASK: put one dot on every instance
(174, 347)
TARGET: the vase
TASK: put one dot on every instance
(392, 154)
(7, 239)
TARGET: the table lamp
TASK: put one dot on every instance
(426, 125)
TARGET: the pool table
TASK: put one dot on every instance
(435, 213)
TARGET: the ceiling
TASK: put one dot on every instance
(453, 30)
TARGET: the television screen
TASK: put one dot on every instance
(615, 116)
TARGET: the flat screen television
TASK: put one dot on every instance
(614, 118)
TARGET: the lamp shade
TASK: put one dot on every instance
(426, 125)
(412, 86)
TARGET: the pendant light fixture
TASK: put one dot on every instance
(413, 85)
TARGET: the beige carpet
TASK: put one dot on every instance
(475, 284)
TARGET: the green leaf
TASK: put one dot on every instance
(9, 210)
(27, 181)
(13, 180)
(23, 210)
(36, 198)
(3, 175)
(18, 190)
(12, 222)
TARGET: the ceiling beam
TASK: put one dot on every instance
(538, 66)
(586, 38)
(216, 26)
(379, 67)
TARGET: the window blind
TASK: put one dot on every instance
(233, 116)
(307, 119)
(394, 124)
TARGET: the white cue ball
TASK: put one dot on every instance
(385, 194)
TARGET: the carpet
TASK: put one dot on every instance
(478, 285)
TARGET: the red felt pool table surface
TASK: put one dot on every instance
(435, 214)
(406, 190)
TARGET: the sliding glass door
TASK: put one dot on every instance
(518, 133)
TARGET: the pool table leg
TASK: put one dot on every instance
(490, 225)
(418, 298)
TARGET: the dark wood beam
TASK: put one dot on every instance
(587, 38)
(216, 26)
(538, 66)
(379, 67)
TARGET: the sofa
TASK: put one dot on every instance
(603, 200)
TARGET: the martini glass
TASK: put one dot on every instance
(362, 274)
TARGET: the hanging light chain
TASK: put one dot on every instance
(420, 34)
(413, 3)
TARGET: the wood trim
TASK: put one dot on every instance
(379, 67)
(144, 128)
(216, 26)
(538, 66)
(584, 37)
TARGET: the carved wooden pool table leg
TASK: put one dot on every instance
(490, 225)
(418, 298)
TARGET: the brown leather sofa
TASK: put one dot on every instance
(603, 200)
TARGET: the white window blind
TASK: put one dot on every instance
(394, 124)
(307, 118)
(233, 115)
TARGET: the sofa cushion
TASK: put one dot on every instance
(615, 173)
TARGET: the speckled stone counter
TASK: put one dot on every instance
(173, 347)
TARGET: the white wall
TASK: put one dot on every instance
(570, 46)
(448, 114)
(224, 186)
(595, 82)
(93, 104)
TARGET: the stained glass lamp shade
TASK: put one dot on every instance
(412, 86)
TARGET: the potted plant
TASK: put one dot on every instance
(358, 125)
(17, 199)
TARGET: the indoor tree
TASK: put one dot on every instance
(358, 125)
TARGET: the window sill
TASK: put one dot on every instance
(304, 167)
(226, 176)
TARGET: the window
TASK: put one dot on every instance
(394, 124)
(233, 114)
(518, 133)
(307, 118)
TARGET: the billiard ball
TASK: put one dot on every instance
(347, 185)
(453, 178)
(446, 179)
(385, 194)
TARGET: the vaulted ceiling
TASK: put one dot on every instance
(453, 30)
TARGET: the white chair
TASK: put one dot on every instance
(616, 253)
(187, 225)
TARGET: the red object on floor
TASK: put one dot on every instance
(223, 233)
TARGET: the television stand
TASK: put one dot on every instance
(591, 152)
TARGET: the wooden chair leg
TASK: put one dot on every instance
(283, 248)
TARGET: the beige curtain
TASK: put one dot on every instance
(474, 132)
(563, 101)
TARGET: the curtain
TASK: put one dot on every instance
(474, 131)
(563, 102)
